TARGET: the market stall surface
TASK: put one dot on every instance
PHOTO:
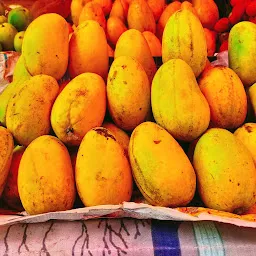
(127, 237)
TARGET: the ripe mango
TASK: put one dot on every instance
(178, 104)
(6, 145)
(11, 194)
(226, 97)
(119, 10)
(76, 8)
(241, 51)
(106, 179)
(7, 34)
(132, 43)
(121, 137)
(20, 72)
(225, 171)
(93, 11)
(184, 38)
(45, 46)
(128, 92)
(252, 97)
(247, 135)
(141, 17)
(18, 41)
(88, 50)
(80, 107)
(105, 4)
(29, 108)
(161, 169)
(45, 178)
(153, 43)
(157, 7)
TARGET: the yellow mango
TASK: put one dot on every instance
(20, 72)
(88, 50)
(45, 179)
(103, 173)
(119, 10)
(121, 136)
(45, 46)
(178, 104)
(184, 38)
(225, 171)
(247, 135)
(161, 169)
(153, 43)
(80, 107)
(132, 43)
(128, 92)
(29, 108)
(141, 17)
(252, 97)
(6, 145)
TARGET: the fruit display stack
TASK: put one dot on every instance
(176, 133)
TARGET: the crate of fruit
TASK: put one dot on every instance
(138, 109)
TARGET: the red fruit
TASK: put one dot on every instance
(237, 13)
(223, 37)
(251, 9)
(224, 46)
(235, 2)
(222, 25)
(253, 19)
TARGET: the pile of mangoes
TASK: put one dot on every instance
(109, 125)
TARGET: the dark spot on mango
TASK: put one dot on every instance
(248, 128)
(125, 82)
(157, 141)
(104, 132)
(38, 52)
(124, 66)
(69, 130)
(238, 184)
(140, 108)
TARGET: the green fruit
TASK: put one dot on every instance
(20, 18)
(2, 9)
(7, 34)
(18, 40)
(3, 19)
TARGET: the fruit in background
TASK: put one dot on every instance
(141, 17)
(247, 135)
(157, 7)
(251, 9)
(224, 46)
(207, 12)
(188, 6)
(132, 43)
(2, 9)
(105, 4)
(121, 137)
(7, 34)
(20, 18)
(61, 7)
(225, 171)
(88, 50)
(153, 43)
(252, 97)
(222, 25)
(164, 179)
(237, 13)
(128, 92)
(119, 10)
(80, 107)
(29, 109)
(226, 96)
(182, 43)
(6, 145)
(175, 81)
(115, 28)
(241, 51)
(18, 41)
(20, 72)
(93, 11)
(99, 183)
(3, 19)
(47, 30)
(211, 37)
(11, 194)
(76, 8)
(45, 179)
(169, 10)
(110, 51)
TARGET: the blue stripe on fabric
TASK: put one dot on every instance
(208, 238)
(165, 238)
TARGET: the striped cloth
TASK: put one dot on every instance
(118, 237)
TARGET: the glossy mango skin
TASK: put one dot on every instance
(184, 38)
(178, 104)
(241, 51)
(165, 179)
(225, 171)
(45, 46)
